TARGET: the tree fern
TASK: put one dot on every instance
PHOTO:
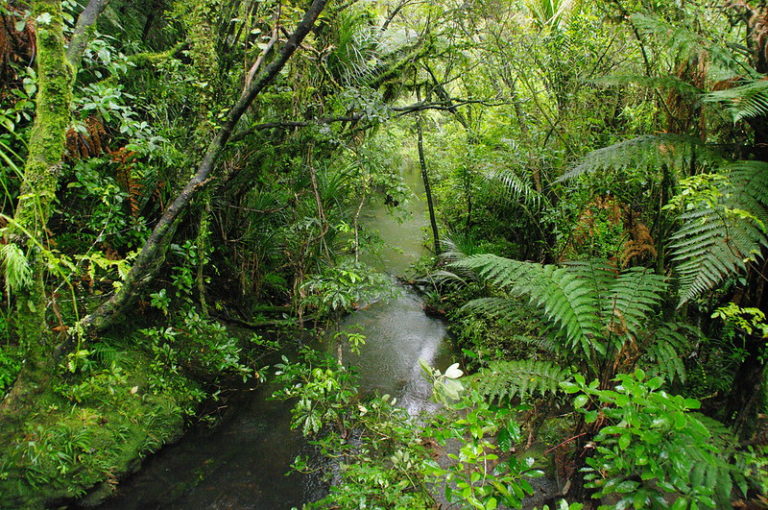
(493, 306)
(515, 187)
(558, 291)
(648, 153)
(633, 296)
(505, 380)
(719, 237)
(683, 42)
(661, 351)
(592, 306)
(745, 101)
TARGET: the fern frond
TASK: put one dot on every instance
(492, 306)
(648, 152)
(717, 240)
(664, 350)
(564, 297)
(680, 40)
(504, 380)
(745, 101)
(542, 343)
(633, 296)
(683, 42)
(18, 273)
(515, 187)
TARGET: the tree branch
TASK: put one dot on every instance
(84, 30)
(153, 252)
(451, 105)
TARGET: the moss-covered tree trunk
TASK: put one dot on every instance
(47, 143)
(56, 70)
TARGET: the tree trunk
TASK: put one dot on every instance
(38, 190)
(427, 186)
(152, 254)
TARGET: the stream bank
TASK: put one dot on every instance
(242, 463)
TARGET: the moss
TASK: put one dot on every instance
(89, 431)
(41, 176)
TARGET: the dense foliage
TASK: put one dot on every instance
(596, 178)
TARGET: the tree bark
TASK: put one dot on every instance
(427, 186)
(153, 252)
(38, 190)
(84, 30)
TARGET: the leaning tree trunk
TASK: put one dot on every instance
(152, 254)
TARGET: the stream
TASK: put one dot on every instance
(242, 463)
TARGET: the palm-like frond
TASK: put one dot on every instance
(515, 187)
(505, 380)
(682, 41)
(745, 101)
(492, 306)
(661, 351)
(647, 152)
(590, 303)
(717, 240)
(559, 291)
(633, 296)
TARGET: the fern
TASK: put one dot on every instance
(505, 380)
(515, 187)
(647, 153)
(18, 273)
(745, 101)
(558, 291)
(633, 296)
(661, 351)
(492, 306)
(682, 41)
(718, 239)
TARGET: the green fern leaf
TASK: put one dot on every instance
(745, 101)
(559, 291)
(515, 187)
(648, 153)
(504, 380)
(662, 351)
(717, 240)
(634, 295)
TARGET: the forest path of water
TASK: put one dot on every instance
(242, 463)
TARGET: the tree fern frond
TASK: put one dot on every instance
(718, 239)
(505, 380)
(515, 187)
(542, 343)
(682, 41)
(663, 352)
(648, 152)
(634, 295)
(745, 101)
(18, 272)
(492, 306)
(559, 291)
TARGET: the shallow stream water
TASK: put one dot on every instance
(241, 464)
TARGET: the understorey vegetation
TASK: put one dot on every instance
(183, 193)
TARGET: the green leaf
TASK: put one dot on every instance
(624, 441)
(580, 401)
